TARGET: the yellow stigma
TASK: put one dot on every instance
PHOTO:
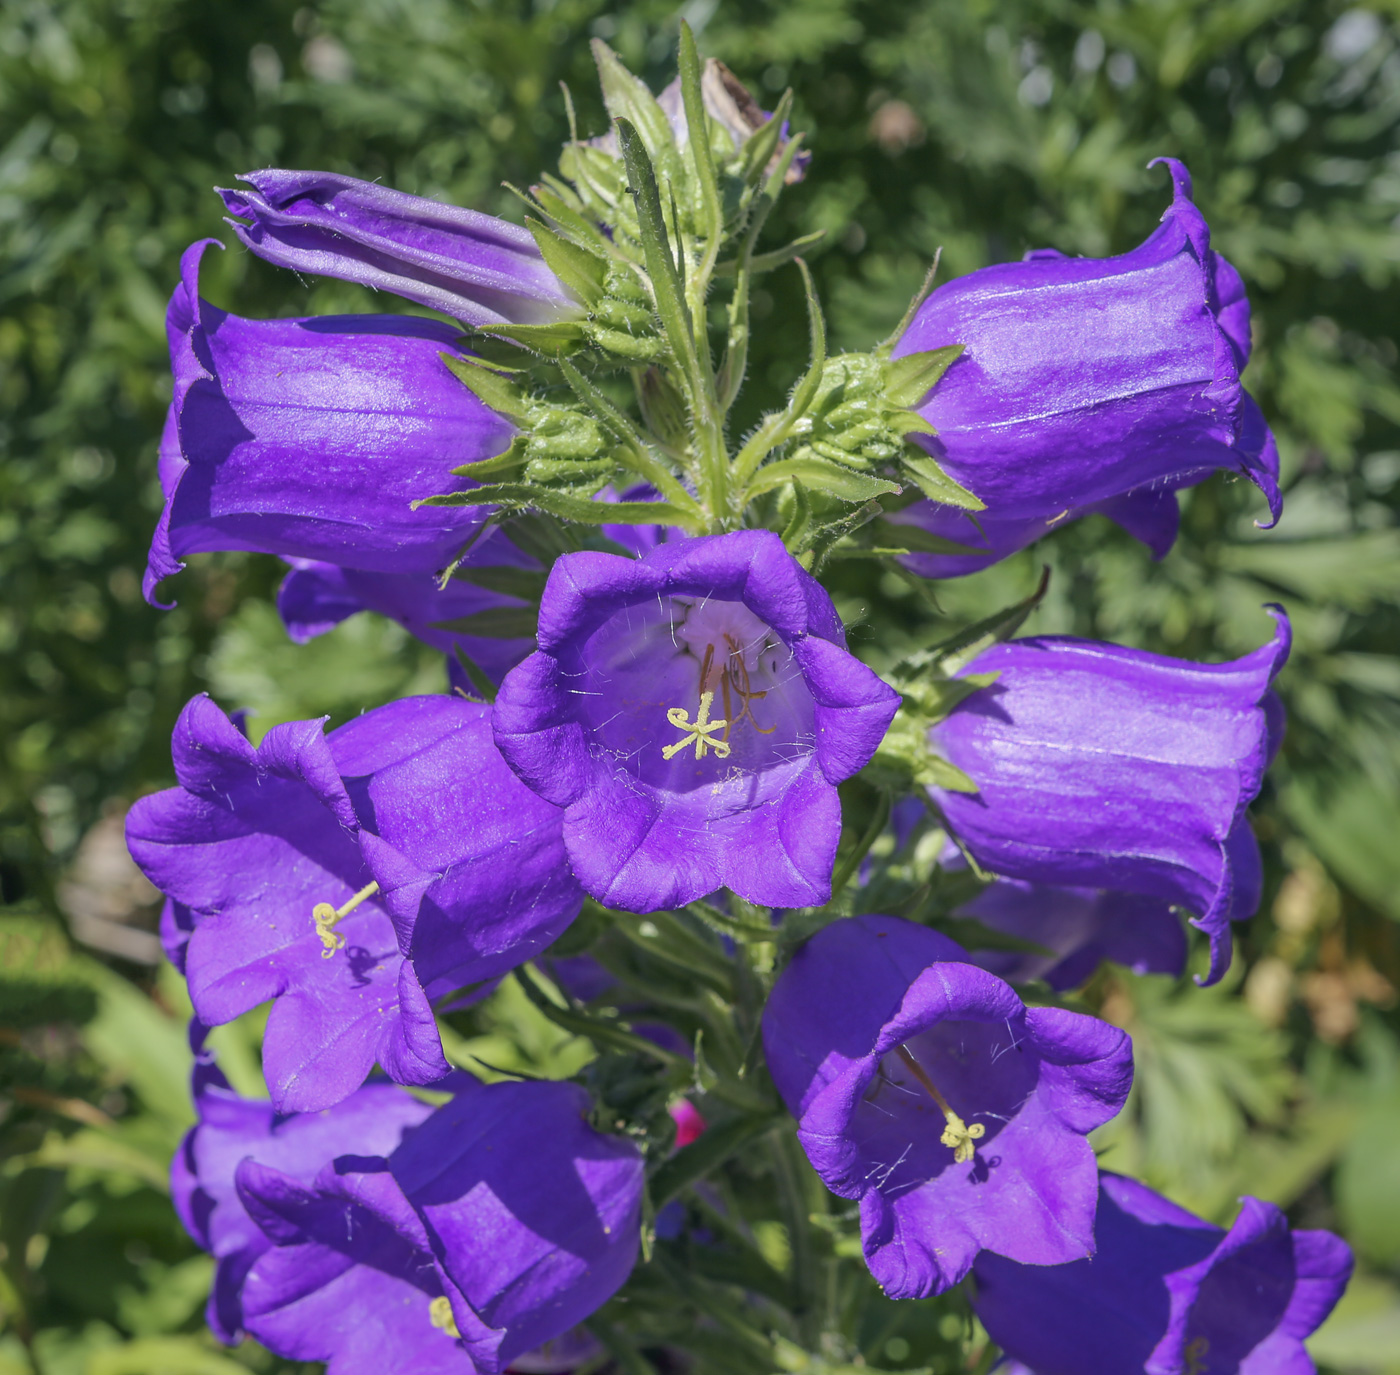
(440, 1315)
(1195, 1355)
(697, 732)
(325, 916)
(957, 1135)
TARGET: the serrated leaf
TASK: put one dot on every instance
(580, 269)
(497, 623)
(820, 475)
(936, 484)
(909, 379)
(490, 387)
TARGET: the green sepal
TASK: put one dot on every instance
(821, 475)
(556, 201)
(935, 484)
(951, 654)
(911, 422)
(522, 496)
(485, 688)
(549, 341)
(508, 461)
(909, 379)
(524, 583)
(497, 623)
(939, 773)
(935, 696)
(763, 142)
(628, 97)
(644, 348)
(580, 269)
(777, 257)
(491, 386)
(913, 539)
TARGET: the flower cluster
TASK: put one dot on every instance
(655, 718)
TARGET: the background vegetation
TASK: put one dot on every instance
(980, 126)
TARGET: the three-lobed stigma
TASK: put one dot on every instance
(1196, 1353)
(325, 918)
(733, 682)
(960, 1138)
(440, 1315)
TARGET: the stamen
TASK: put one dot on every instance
(325, 916)
(1196, 1353)
(697, 732)
(957, 1135)
(737, 671)
(440, 1315)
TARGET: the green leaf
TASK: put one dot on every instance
(951, 654)
(510, 461)
(698, 126)
(522, 496)
(525, 583)
(821, 475)
(911, 378)
(497, 623)
(579, 268)
(941, 774)
(936, 484)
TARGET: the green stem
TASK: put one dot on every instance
(792, 1202)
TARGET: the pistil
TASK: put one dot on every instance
(325, 916)
(440, 1315)
(957, 1135)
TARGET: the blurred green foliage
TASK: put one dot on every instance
(981, 127)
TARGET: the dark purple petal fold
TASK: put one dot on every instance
(882, 1040)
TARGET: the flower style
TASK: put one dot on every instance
(471, 266)
(926, 1089)
(1168, 1294)
(1086, 379)
(231, 1129)
(1104, 767)
(309, 868)
(532, 1216)
(693, 711)
(1079, 927)
(312, 438)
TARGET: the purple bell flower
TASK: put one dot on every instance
(1084, 379)
(693, 711)
(309, 868)
(1080, 927)
(532, 1216)
(1104, 767)
(231, 1129)
(1168, 1294)
(312, 438)
(927, 1090)
(471, 266)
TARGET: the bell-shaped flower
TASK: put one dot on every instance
(693, 711)
(1076, 928)
(926, 1090)
(474, 267)
(1168, 1294)
(533, 1216)
(1084, 379)
(312, 438)
(1103, 767)
(350, 879)
(230, 1129)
